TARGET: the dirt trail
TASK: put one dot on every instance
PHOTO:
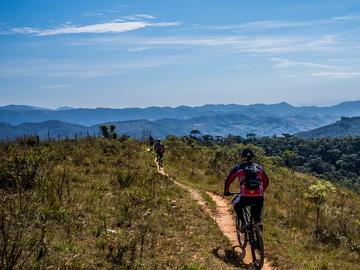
(223, 217)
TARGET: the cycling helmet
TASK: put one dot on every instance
(248, 154)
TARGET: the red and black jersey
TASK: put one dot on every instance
(239, 172)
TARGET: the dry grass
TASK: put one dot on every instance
(100, 204)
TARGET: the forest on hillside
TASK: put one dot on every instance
(335, 159)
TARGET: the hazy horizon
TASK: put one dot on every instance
(186, 105)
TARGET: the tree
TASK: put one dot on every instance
(251, 136)
(113, 134)
(195, 134)
(105, 131)
(287, 135)
(288, 157)
(108, 132)
(317, 194)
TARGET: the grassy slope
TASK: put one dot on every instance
(289, 218)
(112, 201)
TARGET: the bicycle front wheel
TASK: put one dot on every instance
(257, 249)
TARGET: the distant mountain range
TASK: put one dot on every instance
(344, 127)
(17, 114)
(260, 119)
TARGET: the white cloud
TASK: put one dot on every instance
(145, 16)
(234, 44)
(80, 70)
(113, 27)
(286, 63)
(54, 86)
(138, 49)
(139, 17)
(25, 30)
(92, 14)
(277, 24)
(337, 75)
(347, 18)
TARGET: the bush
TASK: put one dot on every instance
(21, 168)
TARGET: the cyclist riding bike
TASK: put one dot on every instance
(253, 183)
(159, 149)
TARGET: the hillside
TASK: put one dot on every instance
(98, 204)
(43, 129)
(290, 216)
(217, 125)
(344, 127)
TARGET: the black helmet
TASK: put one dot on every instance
(248, 154)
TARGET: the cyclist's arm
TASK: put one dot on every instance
(265, 180)
(231, 177)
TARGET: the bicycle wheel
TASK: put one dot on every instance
(242, 238)
(257, 248)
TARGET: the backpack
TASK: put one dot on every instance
(252, 181)
(160, 149)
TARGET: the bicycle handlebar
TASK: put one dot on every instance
(233, 193)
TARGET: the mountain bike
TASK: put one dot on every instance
(251, 235)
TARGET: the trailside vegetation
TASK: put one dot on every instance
(309, 223)
(98, 204)
(334, 159)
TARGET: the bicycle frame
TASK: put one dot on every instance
(252, 235)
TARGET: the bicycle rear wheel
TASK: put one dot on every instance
(257, 248)
(242, 238)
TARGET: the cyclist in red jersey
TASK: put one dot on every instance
(253, 183)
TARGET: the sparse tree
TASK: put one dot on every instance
(317, 194)
(105, 131)
(108, 132)
(113, 134)
(251, 136)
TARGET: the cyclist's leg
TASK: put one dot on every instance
(257, 207)
(239, 208)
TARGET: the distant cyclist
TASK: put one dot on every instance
(159, 149)
(253, 183)
(151, 142)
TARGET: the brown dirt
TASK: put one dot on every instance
(223, 216)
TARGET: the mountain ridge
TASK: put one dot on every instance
(89, 116)
(346, 126)
(215, 125)
(212, 119)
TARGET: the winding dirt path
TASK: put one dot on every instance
(223, 217)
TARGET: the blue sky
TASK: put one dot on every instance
(167, 53)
